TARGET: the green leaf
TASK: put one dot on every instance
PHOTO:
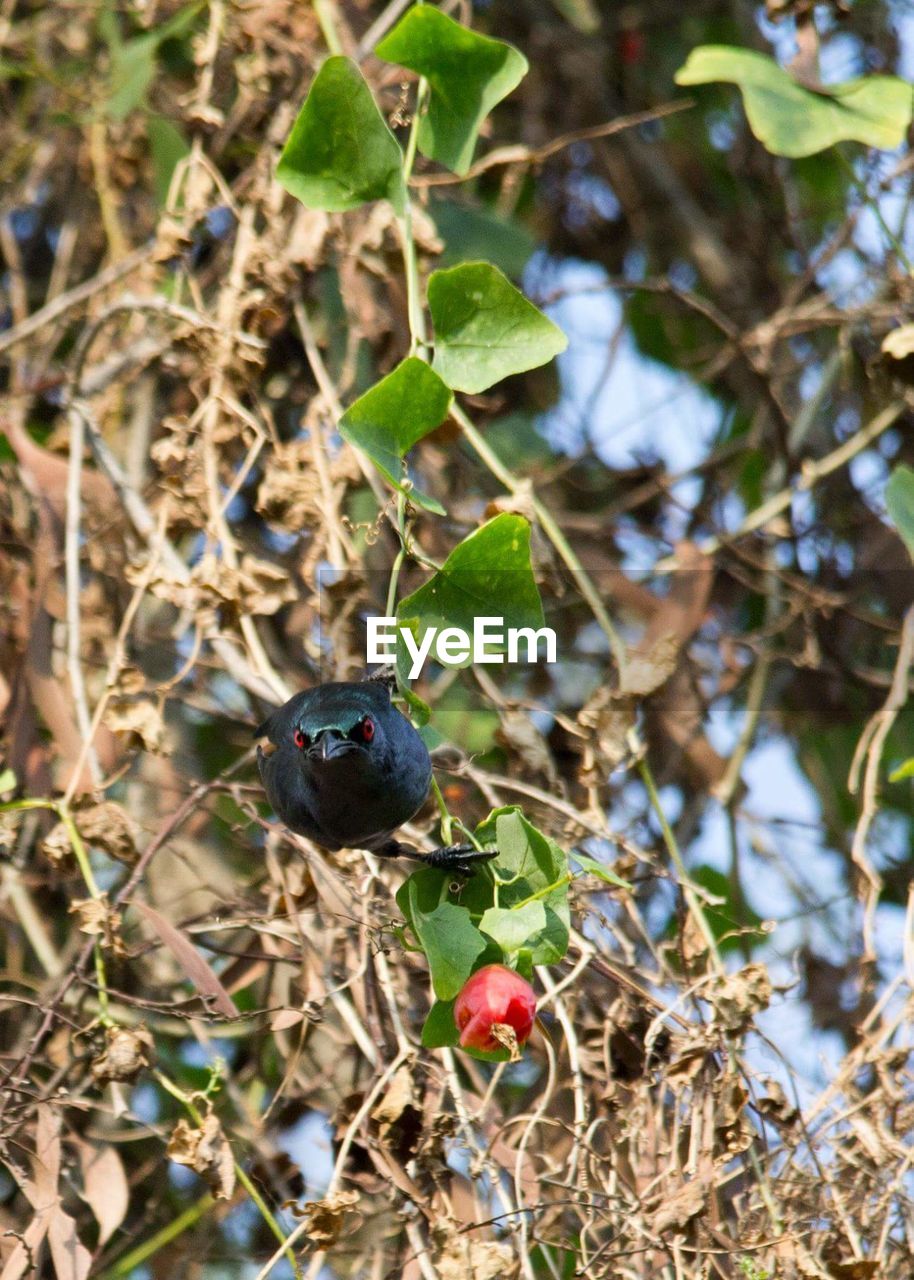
(485, 329)
(527, 863)
(7, 780)
(446, 933)
(439, 1028)
(489, 571)
(597, 869)
(340, 152)
(167, 145)
(791, 120)
(903, 771)
(468, 74)
(396, 412)
(899, 500)
(512, 927)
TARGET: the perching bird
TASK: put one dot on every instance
(349, 769)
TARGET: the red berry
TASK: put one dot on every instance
(492, 996)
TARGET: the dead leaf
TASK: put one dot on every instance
(127, 1052)
(196, 969)
(325, 1217)
(647, 669)
(57, 848)
(774, 1104)
(464, 1258)
(397, 1097)
(732, 1131)
(72, 1260)
(286, 1018)
(679, 1208)
(105, 1188)
(98, 918)
(205, 1150)
(140, 717)
(738, 996)
(108, 826)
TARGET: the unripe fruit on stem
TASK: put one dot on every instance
(495, 1010)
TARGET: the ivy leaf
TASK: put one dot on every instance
(899, 500)
(490, 570)
(527, 863)
(446, 933)
(440, 1029)
(792, 120)
(468, 74)
(513, 927)
(340, 152)
(598, 869)
(485, 329)
(396, 412)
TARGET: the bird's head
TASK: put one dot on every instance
(336, 723)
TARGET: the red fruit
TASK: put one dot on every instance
(493, 997)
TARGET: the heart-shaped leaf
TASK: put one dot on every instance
(396, 412)
(485, 329)
(445, 931)
(513, 927)
(487, 575)
(468, 74)
(340, 152)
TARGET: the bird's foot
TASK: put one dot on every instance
(462, 859)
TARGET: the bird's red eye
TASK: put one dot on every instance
(299, 739)
(367, 729)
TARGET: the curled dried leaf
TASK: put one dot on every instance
(127, 1052)
(140, 717)
(507, 1037)
(739, 996)
(464, 1258)
(397, 1097)
(325, 1217)
(679, 1208)
(205, 1150)
(108, 826)
(99, 919)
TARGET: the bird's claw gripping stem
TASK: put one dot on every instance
(462, 859)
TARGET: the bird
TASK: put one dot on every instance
(349, 768)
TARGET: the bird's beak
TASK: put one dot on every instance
(330, 745)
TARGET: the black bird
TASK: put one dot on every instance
(349, 769)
